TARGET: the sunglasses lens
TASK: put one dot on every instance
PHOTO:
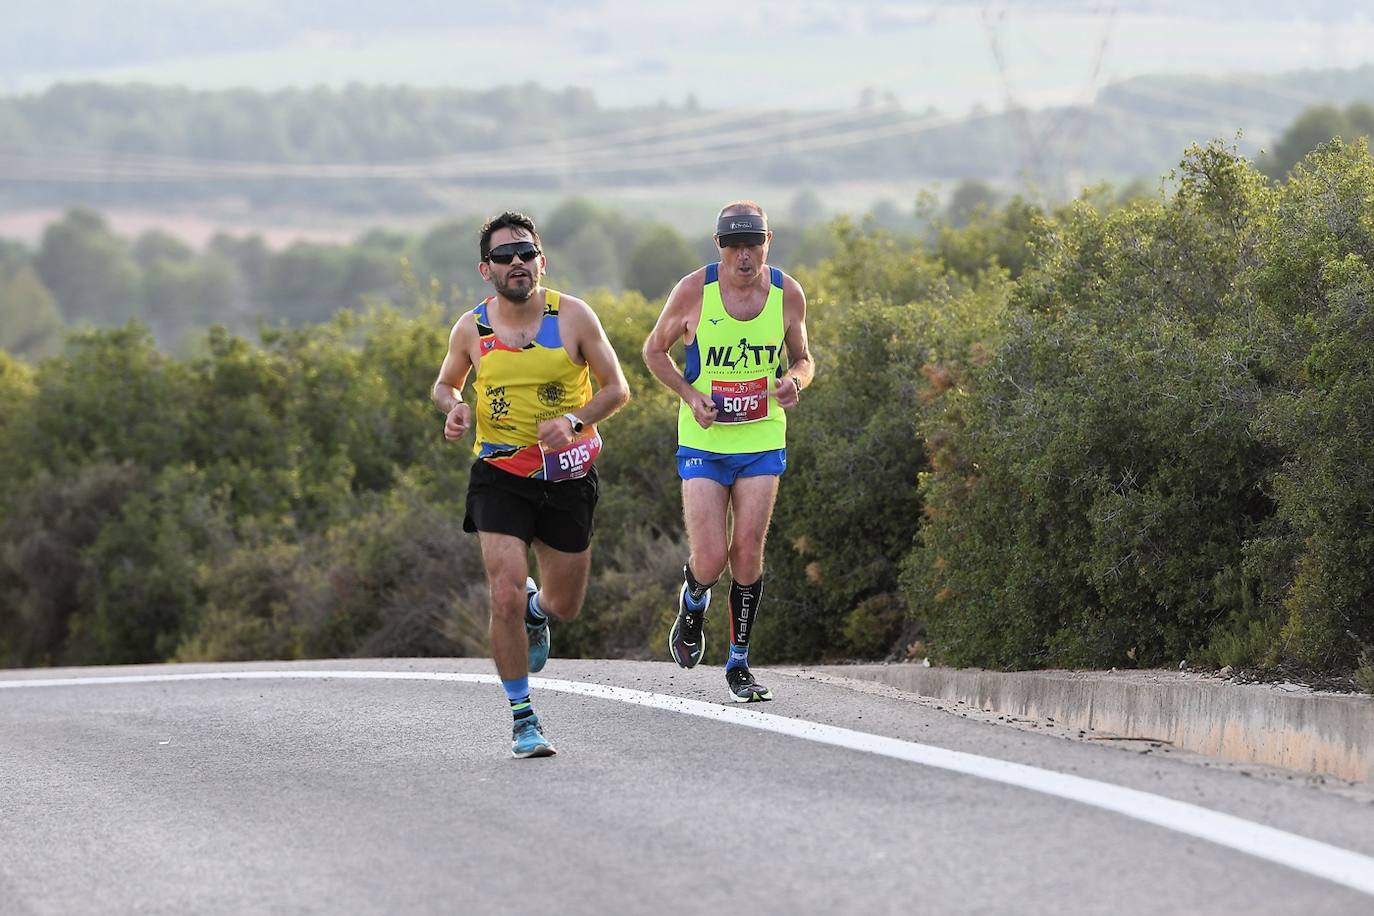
(505, 254)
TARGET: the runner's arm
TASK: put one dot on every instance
(588, 340)
(446, 393)
(676, 322)
(612, 391)
(801, 368)
(678, 318)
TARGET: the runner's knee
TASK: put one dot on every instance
(560, 605)
(507, 600)
(707, 567)
(746, 562)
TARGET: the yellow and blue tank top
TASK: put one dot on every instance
(519, 388)
(735, 363)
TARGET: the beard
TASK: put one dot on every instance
(518, 290)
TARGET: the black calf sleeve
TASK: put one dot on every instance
(694, 588)
(744, 607)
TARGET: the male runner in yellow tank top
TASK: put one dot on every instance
(534, 481)
(736, 318)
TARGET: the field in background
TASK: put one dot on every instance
(688, 208)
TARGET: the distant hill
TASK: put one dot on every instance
(1266, 103)
(363, 149)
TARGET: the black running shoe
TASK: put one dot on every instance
(743, 688)
(685, 643)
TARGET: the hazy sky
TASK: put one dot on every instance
(727, 54)
(774, 53)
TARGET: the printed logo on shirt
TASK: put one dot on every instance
(500, 404)
(740, 356)
(551, 394)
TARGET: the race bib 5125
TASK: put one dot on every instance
(573, 460)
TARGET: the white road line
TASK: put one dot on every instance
(1321, 860)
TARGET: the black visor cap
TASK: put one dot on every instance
(742, 229)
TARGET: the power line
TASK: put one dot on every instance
(715, 138)
(1072, 114)
(777, 138)
(774, 139)
(1015, 110)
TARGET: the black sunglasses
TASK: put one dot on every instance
(504, 254)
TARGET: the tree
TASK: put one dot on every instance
(1315, 126)
(1002, 237)
(249, 257)
(30, 324)
(448, 253)
(1316, 289)
(13, 256)
(16, 391)
(46, 528)
(156, 246)
(806, 208)
(589, 259)
(658, 262)
(568, 218)
(136, 412)
(1361, 115)
(306, 282)
(1095, 478)
(970, 198)
(89, 270)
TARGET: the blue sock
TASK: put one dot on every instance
(739, 658)
(534, 614)
(693, 604)
(696, 595)
(518, 692)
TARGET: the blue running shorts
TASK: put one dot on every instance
(726, 469)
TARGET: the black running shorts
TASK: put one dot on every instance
(559, 513)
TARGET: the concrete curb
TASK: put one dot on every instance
(1280, 725)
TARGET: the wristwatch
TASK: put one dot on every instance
(577, 425)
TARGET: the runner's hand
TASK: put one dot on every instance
(457, 422)
(556, 432)
(703, 409)
(786, 393)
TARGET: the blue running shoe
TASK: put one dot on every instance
(527, 740)
(685, 642)
(539, 635)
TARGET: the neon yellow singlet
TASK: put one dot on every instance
(735, 362)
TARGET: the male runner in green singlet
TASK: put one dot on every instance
(534, 484)
(736, 319)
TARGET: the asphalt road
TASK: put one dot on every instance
(311, 794)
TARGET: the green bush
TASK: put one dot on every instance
(1316, 286)
(1100, 481)
(46, 536)
(140, 587)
